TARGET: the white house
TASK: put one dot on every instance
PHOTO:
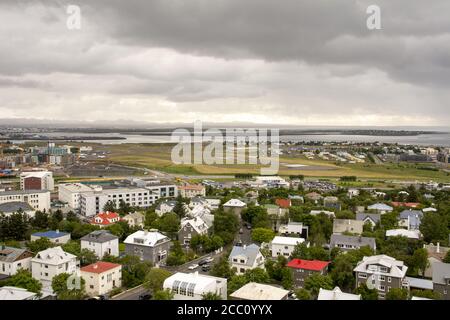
(337, 294)
(101, 242)
(135, 219)
(37, 180)
(165, 207)
(15, 293)
(37, 199)
(284, 246)
(13, 259)
(192, 286)
(380, 208)
(52, 262)
(410, 234)
(193, 190)
(101, 277)
(246, 258)
(258, 291)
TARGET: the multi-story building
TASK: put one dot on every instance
(303, 269)
(246, 258)
(148, 245)
(15, 293)
(93, 202)
(37, 199)
(37, 180)
(70, 193)
(347, 243)
(101, 242)
(441, 279)
(192, 227)
(193, 286)
(191, 191)
(101, 277)
(51, 262)
(382, 273)
(13, 259)
(284, 246)
(163, 189)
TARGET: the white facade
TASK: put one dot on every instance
(101, 278)
(37, 199)
(191, 191)
(246, 258)
(192, 286)
(93, 202)
(284, 246)
(101, 243)
(51, 262)
(70, 193)
(13, 259)
(46, 177)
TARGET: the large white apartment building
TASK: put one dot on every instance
(93, 202)
(70, 193)
(37, 180)
(52, 262)
(37, 199)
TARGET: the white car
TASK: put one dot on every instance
(193, 267)
(209, 260)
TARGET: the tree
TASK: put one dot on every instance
(434, 227)
(225, 225)
(419, 260)
(447, 257)
(303, 294)
(366, 293)
(23, 279)
(179, 207)
(124, 208)
(176, 255)
(397, 294)
(222, 268)
(169, 223)
(430, 294)
(40, 220)
(257, 216)
(55, 218)
(72, 217)
(211, 296)
(316, 281)
(163, 295)
(134, 270)
(262, 235)
(39, 245)
(63, 292)
(155, 278)
(110, 207)
(87, 256)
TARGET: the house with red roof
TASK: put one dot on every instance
(105, 219)
(283, 203)
(302, 269)
(405, 204)
(101, 277)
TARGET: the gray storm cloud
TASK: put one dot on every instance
(288, 61)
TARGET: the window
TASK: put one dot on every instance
(242, 261)
(389, 279)
(235, 260)
(381, 288)
(382, 278)
(91, 286)
(362, 276)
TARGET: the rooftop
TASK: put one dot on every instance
(100, 267)
(257, 291)
(15, 293)
(15, 206)
(51, 234)
(146, 238)
(99, 236)
(287, 240)
(314, 265)
(336, 294)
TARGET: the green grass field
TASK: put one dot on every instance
(157, 157)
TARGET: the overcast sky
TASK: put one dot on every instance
(305, 62)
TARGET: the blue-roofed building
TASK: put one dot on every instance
(246, 258)
(410, 219)
(55, 236)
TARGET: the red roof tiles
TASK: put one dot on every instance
(100, 267)
(283, 203)
(315, 265)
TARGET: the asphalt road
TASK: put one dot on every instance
(132, 294)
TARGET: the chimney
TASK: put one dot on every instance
(57, 230)
(438, 247)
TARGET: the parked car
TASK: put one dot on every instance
(145, 296)
(193, 267)
(209, 259)
(206, 268)
(249, 227)
(203, 262)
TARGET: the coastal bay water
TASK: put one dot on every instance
(431, 139)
